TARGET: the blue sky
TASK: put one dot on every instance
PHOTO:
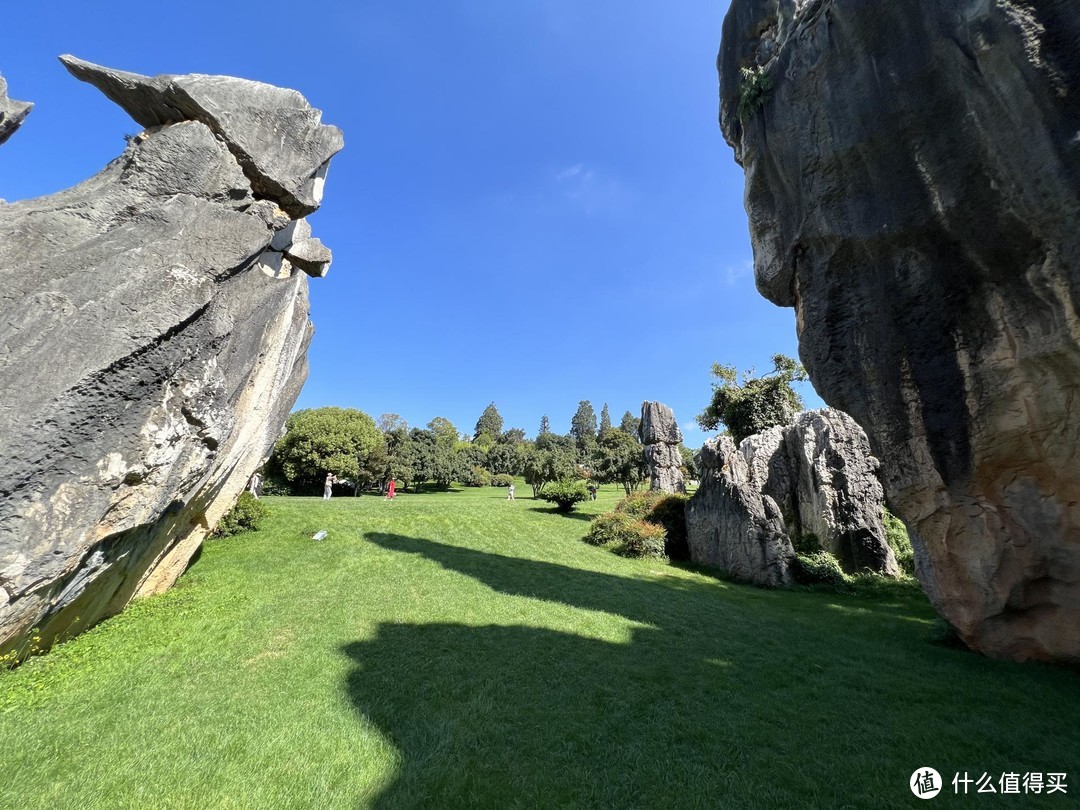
(534, 205)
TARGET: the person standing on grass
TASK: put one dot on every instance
(510, 493)
(391, 490)
(328, 487)
(254, 484)
(592, 492)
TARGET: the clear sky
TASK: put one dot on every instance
(534, 205)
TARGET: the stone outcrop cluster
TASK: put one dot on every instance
(660, 434)
(814, 477)
(153, 336)
(913, 191)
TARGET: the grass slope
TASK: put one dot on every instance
(454, 649)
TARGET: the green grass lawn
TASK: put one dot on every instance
(454, 649)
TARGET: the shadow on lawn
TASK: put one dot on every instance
(723, 695)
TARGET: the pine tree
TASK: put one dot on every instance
(545, 425)
(583, 425)
(605, 420)
(629, 424)
(490, 422)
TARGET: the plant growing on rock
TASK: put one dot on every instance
(756, 403)
(754, 89)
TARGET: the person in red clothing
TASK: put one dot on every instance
(391, 489)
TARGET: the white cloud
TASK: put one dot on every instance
(572, 171)
(735, 273)
(593, 191)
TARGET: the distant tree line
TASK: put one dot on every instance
(366, 453)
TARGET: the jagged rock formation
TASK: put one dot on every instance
(730, 525)
(12, 112)
(815, 477)
(153, 338)
(660, 434)
(912, 184)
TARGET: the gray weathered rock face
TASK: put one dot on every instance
(730, 525)
(912, 185)
(815, 476)
(12, 112)
(660, 434)
(153, 338)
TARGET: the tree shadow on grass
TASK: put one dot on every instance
(551, 510)
(720, 695)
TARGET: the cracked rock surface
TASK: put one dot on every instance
(913, 191)
(660, 434)
(153, 339)
(815, 476)
(12, 112)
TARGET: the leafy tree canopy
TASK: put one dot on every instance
(317, 441)
(753, 404)
(605, 420)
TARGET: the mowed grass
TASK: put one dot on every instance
(454, 649)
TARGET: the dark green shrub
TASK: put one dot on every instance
(818, 568)
(608, 528)
(753, 90)
(642, 539)
(502, 480)
(896, 534)
(669, 511)
(244, 517)
(807, 543)
(637, 504)
(475, 476)
(564, 494)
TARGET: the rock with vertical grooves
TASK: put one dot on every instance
(816, 476)
(731, 526)
(152, 342)
(913, 190)
(660, 434)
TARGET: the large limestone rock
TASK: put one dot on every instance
(730, 525)
(660, 434)
(815, 476)
(12, 112)
(912, 184)
(153, 338)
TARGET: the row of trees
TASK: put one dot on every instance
(366, 452)
(356, 448)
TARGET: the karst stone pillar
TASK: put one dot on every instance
(913, 191)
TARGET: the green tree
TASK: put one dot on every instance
(444, 430)
(317, 441)
(629, 424)
(402, 456)
(512, 436)
(552, 458)
(489, 423)
(619, 459)
(391, 421)
(605, 420)
(583, 428)
(689, 463)
(545, 425)
(753, 404)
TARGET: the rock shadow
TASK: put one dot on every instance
(723, 700)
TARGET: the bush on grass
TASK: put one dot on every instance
(669, 511)
(475, 476)
(564, 494)
(608, 528)
(818, 568)
(642, 539)
(636, 504)
(244, 517)
(502, 480)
